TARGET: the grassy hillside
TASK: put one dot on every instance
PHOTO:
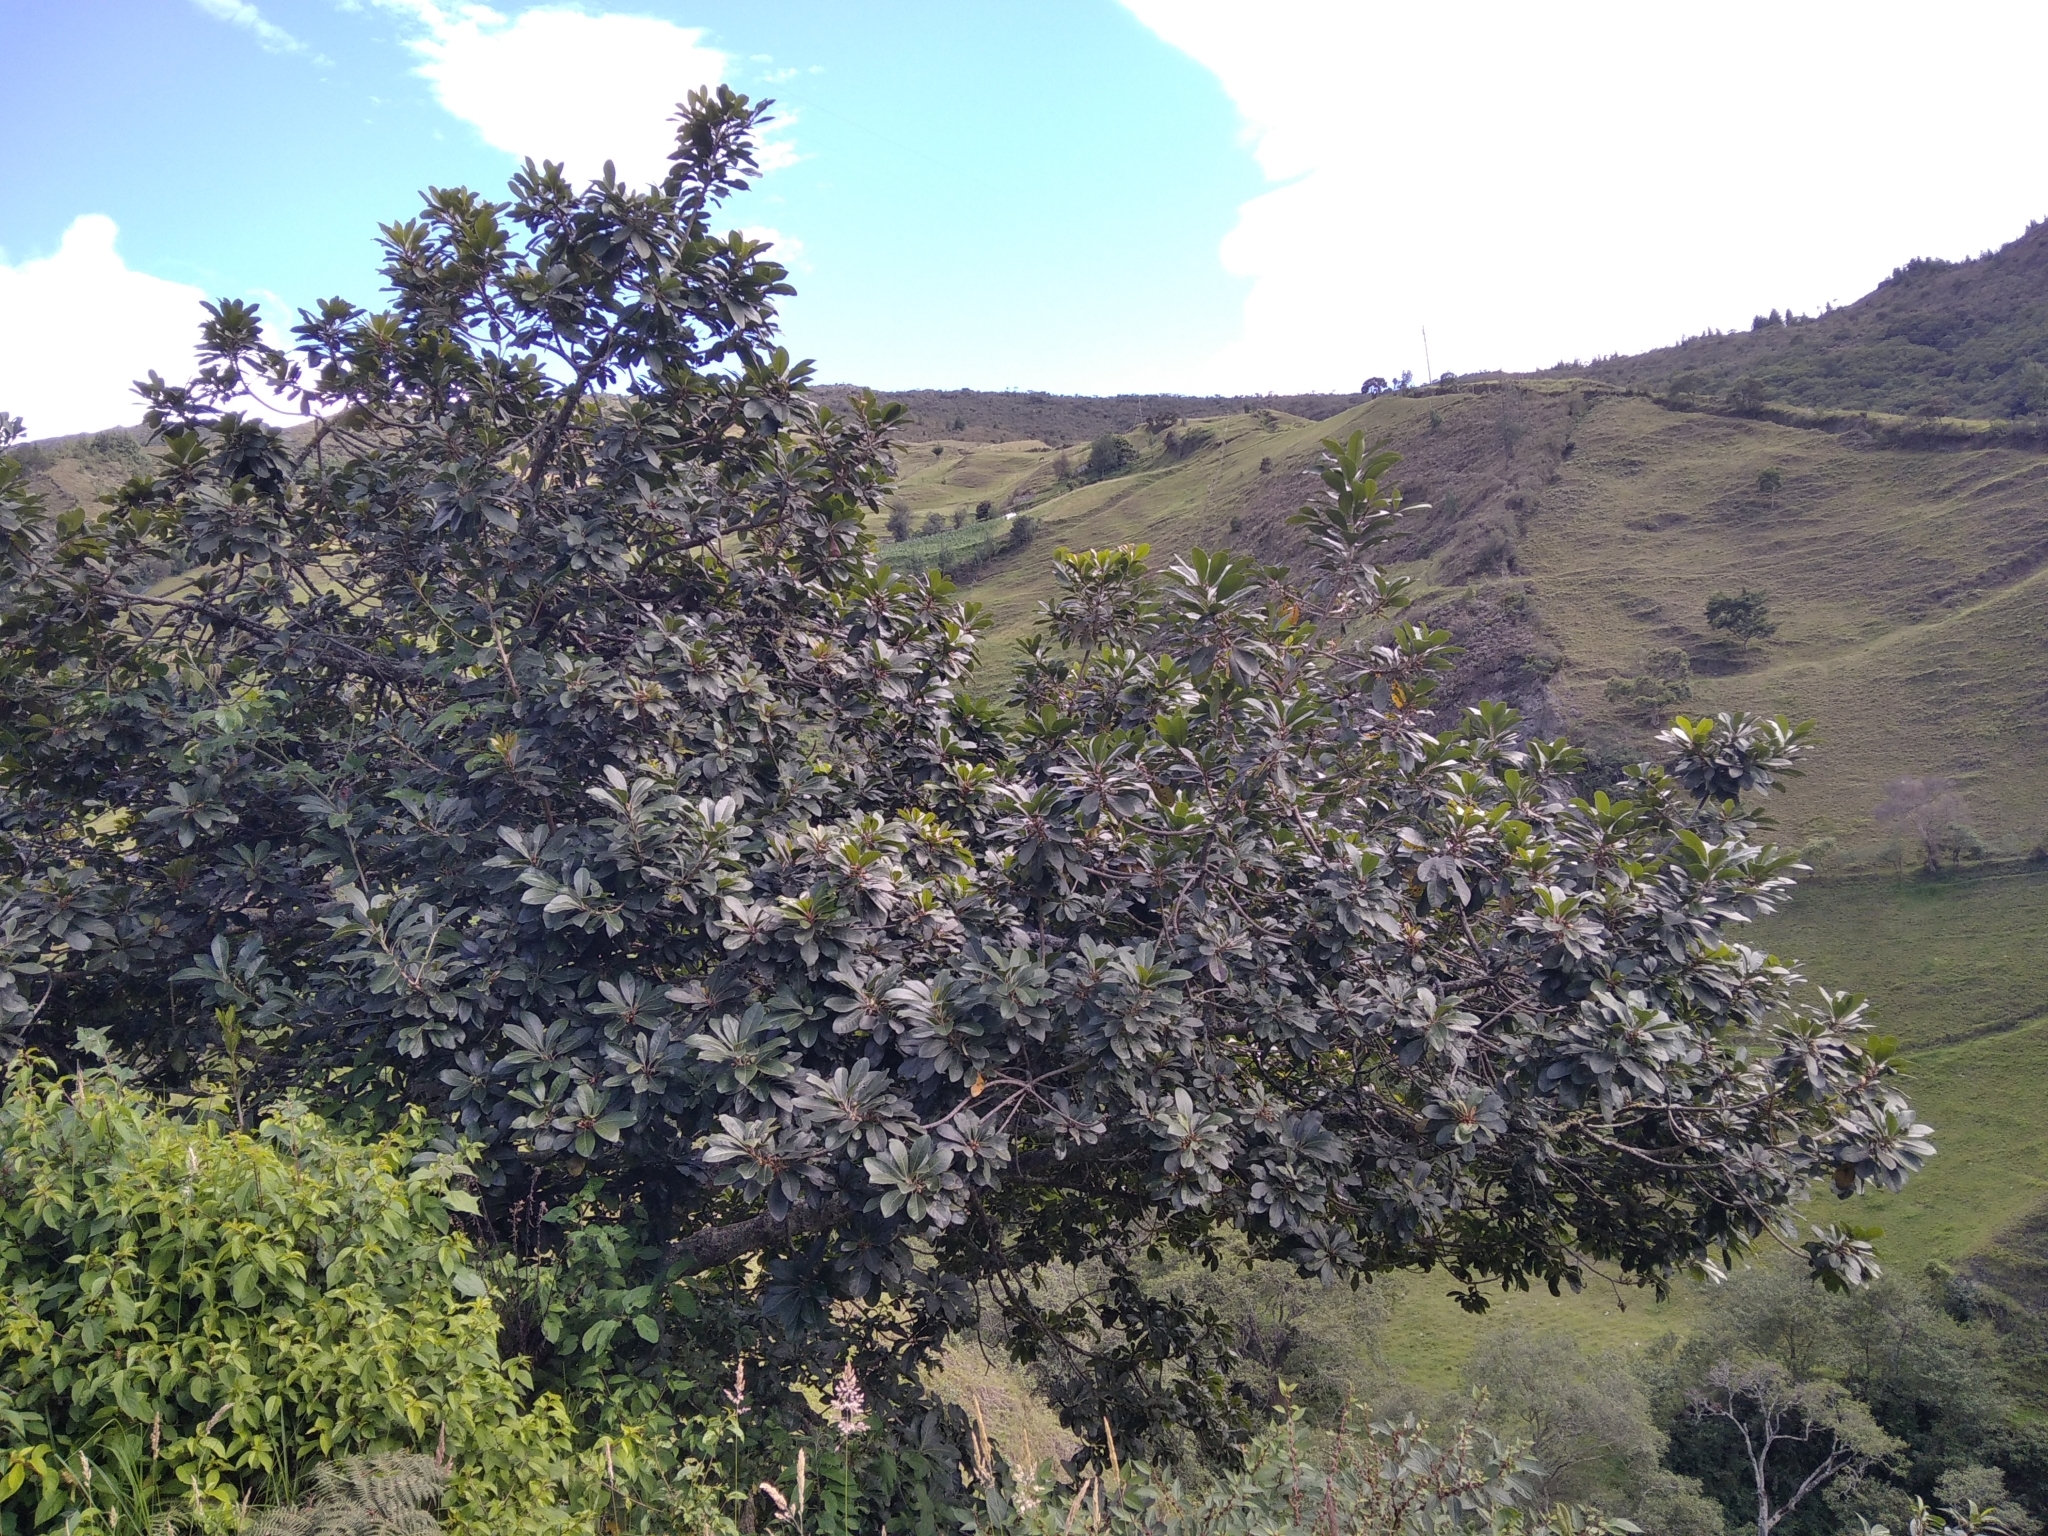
(77, 470)
(1574, 531)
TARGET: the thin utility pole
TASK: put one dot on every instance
(1428, 373)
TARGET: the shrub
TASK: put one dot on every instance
(983, 511)
(899, 522)
(959, 517)
(2030, 389)
(1666, 680)
(1109, 453)
(1390, 1480)
(196, 1310)
(1770, 482)
(1023, 529)
(1747, 394)
(934, 522)
(1745, 614)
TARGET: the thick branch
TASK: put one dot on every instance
(713, 1246)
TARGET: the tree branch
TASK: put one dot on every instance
(713, 1246)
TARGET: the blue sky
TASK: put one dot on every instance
(1081, 195)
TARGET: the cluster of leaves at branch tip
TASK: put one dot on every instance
(535, 737)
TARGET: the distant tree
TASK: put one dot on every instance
(937, 449)
(1510, 424)
(1665, 681)
(1932, 812)
(1161, 421)
(1796, 1437)
(1406, 380)
(1374, 386)
(1745, 614)
(1062, 467)
(1266, 465)
(1108, 454)
(983, 511)
(1975, 1486)
(1023, 529)
(1748, 394)
(1580, 1414)
(959, 424)
(1770, 482)
(899, 522)
(2030, 389)
(934, 522)
(959, 517)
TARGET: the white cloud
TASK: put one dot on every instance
(1536, 181)
(786, 249)
(82, 326)
(238, 13)
(561, 84)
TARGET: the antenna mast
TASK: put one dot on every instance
(1428, 372)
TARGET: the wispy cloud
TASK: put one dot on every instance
(81, 325)
(239, 13)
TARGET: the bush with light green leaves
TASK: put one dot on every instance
(193, 1316)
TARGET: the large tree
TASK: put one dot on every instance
(535, 735)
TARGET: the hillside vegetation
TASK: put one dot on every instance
(990, 416)
(1938, 338)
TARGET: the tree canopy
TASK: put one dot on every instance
(536, 736)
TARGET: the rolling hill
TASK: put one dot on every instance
(1936, 338)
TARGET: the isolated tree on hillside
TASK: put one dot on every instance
(536, 738)
(1929, 810)
(1745, 614)
(2030, 389)
(1109, 453)
(1747, 394)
